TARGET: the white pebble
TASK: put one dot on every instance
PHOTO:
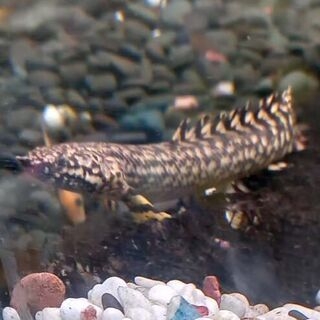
(9, 313)
(38, 315)
(112, 314)
(161, 293)
(130, 298)
(212, 305)
(147, 283)
(256, 310)
(53, 119)
(110, 286)
(176, 285)
(234, 304)
(159, 312)
(138, 314)
(225, 315)
(309, 313)
(72, 308)
(198, 297)
(51, 314)
(187, 292)
(274, 314)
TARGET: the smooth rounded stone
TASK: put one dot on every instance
(112, 314)
(9, 313)
(30, 137)
(109, 301)
(308, 313)
(163, 72)
(123, 66)
(43, 78)
(131, 51)
(130, 298)
(256, 310)
(280, 313)
(142, 13)
(161, 294)
(48, 314)
(146, 282)
(102, 83)
(196, 21)
(75, 309)
(234, 304)
(187, 292)
(159, 312)
(244, 55)
(173, 14)
(138, 314)
(74, 99)
(41, 63)
(54, 95)
(179, 308)
(176, 285)
(156, 52)
(136, 31)
(159, 86)
(131, 95)
(181, 56)
(225, 315)
(300, 82)
(264, 86)
(73, 73)
(110, 285)
(212, 305)
(99, 61)
(224, 41)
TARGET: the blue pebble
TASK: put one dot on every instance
(186, 311)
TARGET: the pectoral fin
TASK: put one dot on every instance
(144, 210)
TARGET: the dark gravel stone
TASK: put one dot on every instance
(173, 14)
(181, 56)
(41, 63)
(102, 83)
(155, 51)
(30, 137)
(99, 61)
(159, 102)
(109, 301)
(75, 99)
(142, 13)
(23, 118)
(163, 72)
(224, 41)
(115, 106)
(136, 31)
(123, 66)
(54, 95)
(131, 51)
(73, 73)
(131, 95)
(78, 53)
(44, 78)
(159, 86)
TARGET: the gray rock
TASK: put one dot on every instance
(224, 41)
(181, 56)
(163, 72)
(31, 138)
(23, 118)
(136, 31)
(75, 99)
(102, 83)
(131, 51)
(73, 73)
(155, 51)
(44, 78)
(301, 83)
(40, 62)
(131, 95)
(123, 66)
(174, 12)
(157, 102)
(142, 13)
(159, 86)
(99, 61)
(54, 95)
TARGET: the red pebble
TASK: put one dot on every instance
(89, 313)
(211, 288)
(204, 311)
(38, 291)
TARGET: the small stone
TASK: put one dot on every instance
(131, 95)
(211, 288)
(30, 137)
(110, 285)
(155, 51)
(256, 310)
(307, 312)
(173, 14)
(38, 291)
(224, 41)
(123, 66)
(176, 285)
(181, 56)
(101, 84)
(131, 51)
(112, 314)
(49, 314)
(54, 95)
(225, 315)
(41, 63)
(161, 294)
(130, 298)
(109, 301)
(162, 72)
(136, 31)
(73, 73)
(9, 313)
(159, 312)
(79, 309)
(235, 304)
(212, 305)
(180, 309)
(74, 99)
(138, 314)
(146, 282)
(142, 13)
(43, 78)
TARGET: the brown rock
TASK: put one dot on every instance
(38, 291)
(211, 288)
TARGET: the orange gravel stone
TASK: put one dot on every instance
(38, 291)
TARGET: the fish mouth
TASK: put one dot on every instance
(13, 163)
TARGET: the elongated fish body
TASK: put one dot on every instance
(212, 153)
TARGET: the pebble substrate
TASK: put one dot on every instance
(148, 299)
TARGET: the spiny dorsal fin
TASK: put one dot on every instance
(271, 110)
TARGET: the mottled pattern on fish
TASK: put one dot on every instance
(213, 152)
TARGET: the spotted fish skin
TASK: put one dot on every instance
(212, 153)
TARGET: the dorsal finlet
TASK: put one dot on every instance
(181, 132)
